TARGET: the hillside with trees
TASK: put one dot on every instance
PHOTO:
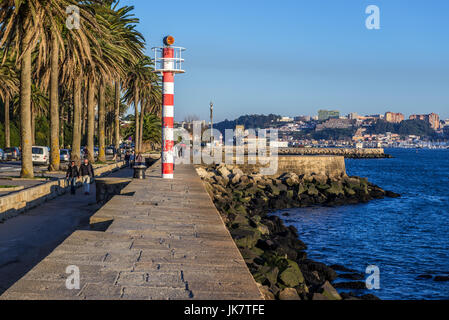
(407, 127)
(249, 121)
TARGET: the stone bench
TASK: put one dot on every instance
(106, 188)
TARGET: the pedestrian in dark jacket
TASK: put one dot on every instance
(127, 156)
(71, 176)
(87, 174)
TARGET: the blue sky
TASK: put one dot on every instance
(295, 57)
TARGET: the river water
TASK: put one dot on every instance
(404, 237)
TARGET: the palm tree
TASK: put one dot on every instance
(121, 46)
(19, 31)
(91, 118)
(152, 132)
(97, 55)
(22, 25)
(101, 121)
(54, 103)
(79, 45)
(9, 84)
(138, 78)
(76, 138)
(117, 114)
(133, 43)
(107, 64)
(151, 101)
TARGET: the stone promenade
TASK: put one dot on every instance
(160, 239)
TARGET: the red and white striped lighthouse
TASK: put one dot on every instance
(168, 61)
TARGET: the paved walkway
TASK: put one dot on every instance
(28, 238)
(166, 240)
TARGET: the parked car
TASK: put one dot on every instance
(84, 151)
(40, 155)
(110, 150)
(12, 153)
(64, 155)
(2, 155)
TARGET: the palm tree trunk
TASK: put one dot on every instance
(61, 134)
(33, 125)
(142, 114)
(101, 122)
(25, 106)
(136, 114)
(91, 120)
(84, 114)
(61, 127)
(54, 106)
(117, 114)
(69, 111)
(76, 135)
(7, 123)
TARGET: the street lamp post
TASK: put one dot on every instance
(211, 123)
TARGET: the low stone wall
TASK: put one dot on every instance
(108, 168)
(331, 166)
(15, 203)
(346, 152)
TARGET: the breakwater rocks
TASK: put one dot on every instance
(351, 153)
(273, 252)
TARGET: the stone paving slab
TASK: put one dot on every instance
(166, 241)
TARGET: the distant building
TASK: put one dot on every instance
(334, 123)
(302, 118)
(353, 116)
(240, 128)
(433, 119)
(446, 130)
(279, 144)
(394, 117)
(328, 114)
(285, 119)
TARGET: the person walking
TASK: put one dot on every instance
(87, 174)
(127, 156)
(132, 159)
(71, 176)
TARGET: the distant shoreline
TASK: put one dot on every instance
(350, 153)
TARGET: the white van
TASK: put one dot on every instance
(41, 155)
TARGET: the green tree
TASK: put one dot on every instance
(9, 86)
(138, 77)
